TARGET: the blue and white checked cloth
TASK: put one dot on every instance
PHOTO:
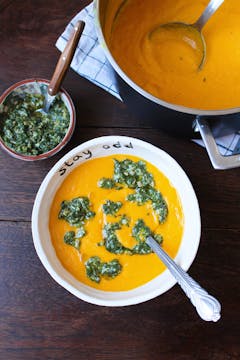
(90, 62)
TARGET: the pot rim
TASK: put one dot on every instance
(144, 93)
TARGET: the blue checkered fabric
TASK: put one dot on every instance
(90, 62)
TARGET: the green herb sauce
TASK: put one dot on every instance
(30, 132)
(110, 239)
(71, 239)
(96, 269)
(111, 207)
(106, 183)
(76, 212)
(135, 176)
(124, 220)
(140, 232)
(149, 193)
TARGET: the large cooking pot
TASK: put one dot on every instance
(175, 119)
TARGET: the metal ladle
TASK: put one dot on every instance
(190, 33)
(207, 306)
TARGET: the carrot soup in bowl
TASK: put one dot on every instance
(100, 202)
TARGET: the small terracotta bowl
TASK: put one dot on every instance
(30, 83)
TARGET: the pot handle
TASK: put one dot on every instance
(219, 161)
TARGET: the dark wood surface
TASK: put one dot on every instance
(41, 320)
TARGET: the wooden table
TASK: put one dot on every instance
(40, 319)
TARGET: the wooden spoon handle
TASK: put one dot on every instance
(65, 59)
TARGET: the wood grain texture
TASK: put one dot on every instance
(216, 190)
(41, 320)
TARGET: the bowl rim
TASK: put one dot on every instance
(88, 293)
(67, 136)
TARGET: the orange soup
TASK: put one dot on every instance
(86, 181)
(166, 67)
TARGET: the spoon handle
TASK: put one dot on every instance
(206, 305)
(207, 13)
(65, 59)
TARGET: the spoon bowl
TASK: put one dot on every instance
(185, 39)
(187, 34)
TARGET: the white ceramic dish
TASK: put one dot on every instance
(99, 147)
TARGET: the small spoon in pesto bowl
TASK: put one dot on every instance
(27, 133)
(62, 66)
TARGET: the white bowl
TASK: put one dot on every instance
(99, 147)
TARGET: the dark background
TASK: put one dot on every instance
(41, 320)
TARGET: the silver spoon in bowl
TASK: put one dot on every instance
(206, 305)
(62, 67)
(191, 33)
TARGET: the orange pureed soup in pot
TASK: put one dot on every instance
(167, 69)
(101, 215)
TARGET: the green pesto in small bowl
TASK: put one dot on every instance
(28, 131)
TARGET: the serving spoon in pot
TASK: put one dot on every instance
(206, 305)
(189, 33)
(62, 67)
